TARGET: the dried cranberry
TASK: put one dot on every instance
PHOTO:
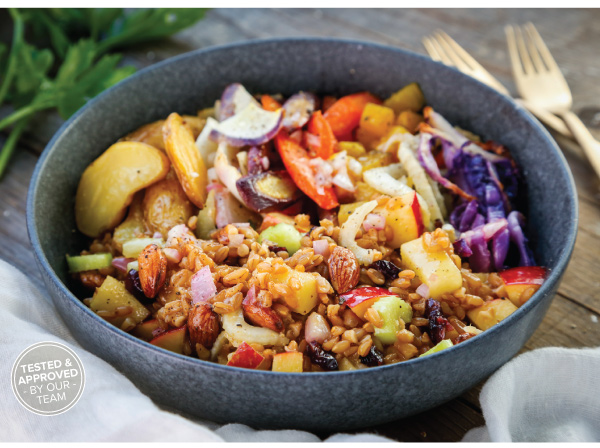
(277, 249)
(437, 322)
(374, 358)
(387, 268)
(320, 357)
(133, 285)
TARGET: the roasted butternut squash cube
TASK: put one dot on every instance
(376, 120)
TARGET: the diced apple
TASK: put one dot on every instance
(288, 362)
(112, 295)
(517, 280)
(306, 298)
(390, 309)
(435, 269)
(246, 357)
(360, 299)
(490, 313)
(403, 216)
(144, 330)
(274, 218)
(172, 340)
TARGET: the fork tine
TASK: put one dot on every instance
(534, 52)
(515, 62)
(440, 51)
(460, 51)
(541, 47)
(456, 60)
(523, 52)
(431, 49)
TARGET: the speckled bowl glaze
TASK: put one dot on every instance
(316, 401)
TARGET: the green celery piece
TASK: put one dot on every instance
(284, 235)
(390, 308)
(133, 247)
(81, 263)
(442, 345)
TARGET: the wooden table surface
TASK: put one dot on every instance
(572, 36)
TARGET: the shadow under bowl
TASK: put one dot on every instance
(313, 401)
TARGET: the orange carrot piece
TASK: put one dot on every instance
(269, 103)
(344, 115)
(327, 142)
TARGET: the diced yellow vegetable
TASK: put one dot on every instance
(490, 313)
(409, 97)
(287, 362)
(354, 149)
(409, 120)
(435, 269)
(364, 192)
(375, 159)
(112, 295)
(152, 134)
(376, 120)
(304, 299)
(346, 210)
(366, 139)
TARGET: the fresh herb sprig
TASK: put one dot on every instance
(79, 61)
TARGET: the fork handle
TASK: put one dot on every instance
(584, 137)
(548, 118)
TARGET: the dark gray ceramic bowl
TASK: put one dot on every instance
(317, 401)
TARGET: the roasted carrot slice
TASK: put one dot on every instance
(269, 103)
(344, 115)
(296, 160)
(324, 146)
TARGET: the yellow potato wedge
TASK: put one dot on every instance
(186, 159)
(166, 205)
(134, 225)
(108, 184)
(152, 133)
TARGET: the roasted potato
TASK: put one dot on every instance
(108, 184)
(152, 133)
(166, 205)
(134, 225)
(181, 148)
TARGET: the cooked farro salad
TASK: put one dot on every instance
(305, 233)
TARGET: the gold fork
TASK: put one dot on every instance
(441, 47)
(540, 81)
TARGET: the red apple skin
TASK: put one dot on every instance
(245, 357)
(517, 280)
(525, 275)
(172, 340)
(145, 329)
(360, 299)
(416, 208)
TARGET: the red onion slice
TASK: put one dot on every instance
(203, 285)
(120, 263)
(423, 291)
(374, 221)
(321, 247)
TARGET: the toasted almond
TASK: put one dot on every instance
(153, 270)
(343, 269)
(261, 315)
(203, 325)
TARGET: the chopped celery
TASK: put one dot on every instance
(442, 345)
(133, 247)
(391, 308)
(284, 235)
(81, 263)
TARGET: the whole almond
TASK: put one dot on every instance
(260, 315)
(343, 269)
(203, 325)
(153, 270)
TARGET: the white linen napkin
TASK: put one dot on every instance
(545, 395)
(111, 408)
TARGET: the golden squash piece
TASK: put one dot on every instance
(152, 133)
(186, 159)
(134, 225)
(166, 205)
(108, 184)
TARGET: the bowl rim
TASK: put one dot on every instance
(552, 278)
